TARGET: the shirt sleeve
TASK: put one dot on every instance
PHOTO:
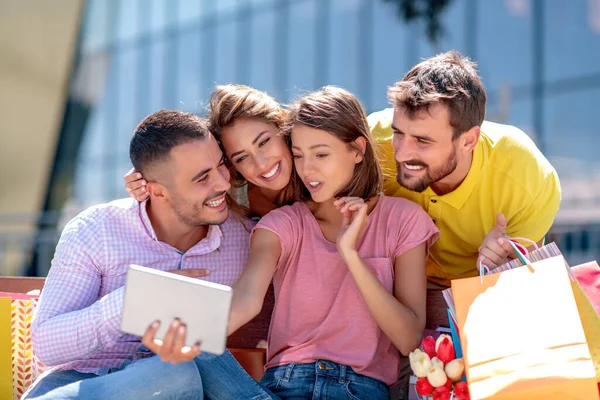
(380, 123)
(535, 219)
(70, 321)
(414, 227)
(280, 223)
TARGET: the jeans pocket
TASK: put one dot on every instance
(270, 380)
(358, 390)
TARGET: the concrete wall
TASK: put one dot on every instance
(37, 44)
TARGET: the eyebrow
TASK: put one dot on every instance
(259, 136)
(200, 174)
(314, 146)
(237, 153)
(422, 137)
(206, 171)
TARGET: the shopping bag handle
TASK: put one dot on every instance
(519, 249)
(522, 248)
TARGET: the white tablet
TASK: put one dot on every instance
(203, 306)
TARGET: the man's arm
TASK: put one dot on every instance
(70, 322)
(248, 296)
(532, 221)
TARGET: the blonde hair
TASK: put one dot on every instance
(230, 102)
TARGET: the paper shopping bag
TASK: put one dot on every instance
(585, 283)
(522, 336)
(23, 366)
(588, 276)
(6, 387)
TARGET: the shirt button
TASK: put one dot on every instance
(433, 200)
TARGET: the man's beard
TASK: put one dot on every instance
(429, 178)
(190, 213)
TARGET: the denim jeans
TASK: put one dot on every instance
(223, 378)
(322, 380)
(143, 379)
(207, 376)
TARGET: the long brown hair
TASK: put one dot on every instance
(230, 102)
(338, 112)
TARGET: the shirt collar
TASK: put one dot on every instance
(146, 219)
(211, 242)
(458, 197)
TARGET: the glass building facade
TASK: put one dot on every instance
(539, 60)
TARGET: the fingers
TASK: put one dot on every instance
(362, 210)
(348, 203)
(501, 223)
(168, 351)
(148, 338)
(140, 194)
(172, 348)
(179, 343)
(191, 272)
(130, 176)
(192, 352)
(492, 254)
(507, 247)
(137, 185)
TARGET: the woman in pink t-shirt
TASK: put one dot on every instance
(347, 264)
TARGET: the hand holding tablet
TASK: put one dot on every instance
(190, 311)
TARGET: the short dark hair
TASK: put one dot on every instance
(448, 78)
(338, 112)
(160, 132)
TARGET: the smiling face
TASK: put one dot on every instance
(196, 182)
(424, 148)
(324, 163)
(258, 152)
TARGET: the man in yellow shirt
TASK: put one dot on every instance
(480, 182)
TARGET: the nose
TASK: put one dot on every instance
(261, 162)
(305, 166)
(222, 183)
(403, 149)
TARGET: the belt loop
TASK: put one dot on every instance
(288, 372)
(342, 378)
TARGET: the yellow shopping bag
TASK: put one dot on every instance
(6, 387)
(522, 335)
(590, 320)
(18, 366)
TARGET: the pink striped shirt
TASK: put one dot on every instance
(77, 321)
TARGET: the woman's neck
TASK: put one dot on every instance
(327, 212)
(269, 194)
(261, 200)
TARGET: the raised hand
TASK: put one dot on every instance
(135, 185)
(354, 214)
(496, 249)
(172, 347)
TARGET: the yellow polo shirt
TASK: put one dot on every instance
(508, 174)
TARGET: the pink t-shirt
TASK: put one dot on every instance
(319, 312)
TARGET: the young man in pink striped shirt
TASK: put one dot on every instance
(185, 227)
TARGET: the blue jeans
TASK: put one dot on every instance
(143, 379)
(208, 376)
(322, 380)
(223, 378)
